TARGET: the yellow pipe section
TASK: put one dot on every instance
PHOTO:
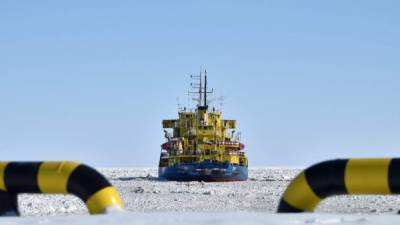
(62, 178)
(342, 176)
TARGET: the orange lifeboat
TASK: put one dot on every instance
(166, 145)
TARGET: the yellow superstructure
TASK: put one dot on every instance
(201, 134)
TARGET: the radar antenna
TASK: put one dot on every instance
(196, 84)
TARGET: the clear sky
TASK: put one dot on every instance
(92, 80)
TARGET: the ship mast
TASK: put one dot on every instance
(205, 90)
(202, 89)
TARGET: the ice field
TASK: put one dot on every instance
(150, 201)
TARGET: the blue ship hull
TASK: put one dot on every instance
(204, 171)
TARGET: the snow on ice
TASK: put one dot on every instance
(150, 201)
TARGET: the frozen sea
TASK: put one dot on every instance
(151, 201)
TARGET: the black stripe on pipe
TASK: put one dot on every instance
(85, 181)
(9, 204)
(394, 176)
(285, 207)
(327, 178)
(21, 177)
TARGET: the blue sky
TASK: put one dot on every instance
(92, 80)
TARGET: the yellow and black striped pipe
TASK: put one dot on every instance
(338, 177)
(58, 177)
